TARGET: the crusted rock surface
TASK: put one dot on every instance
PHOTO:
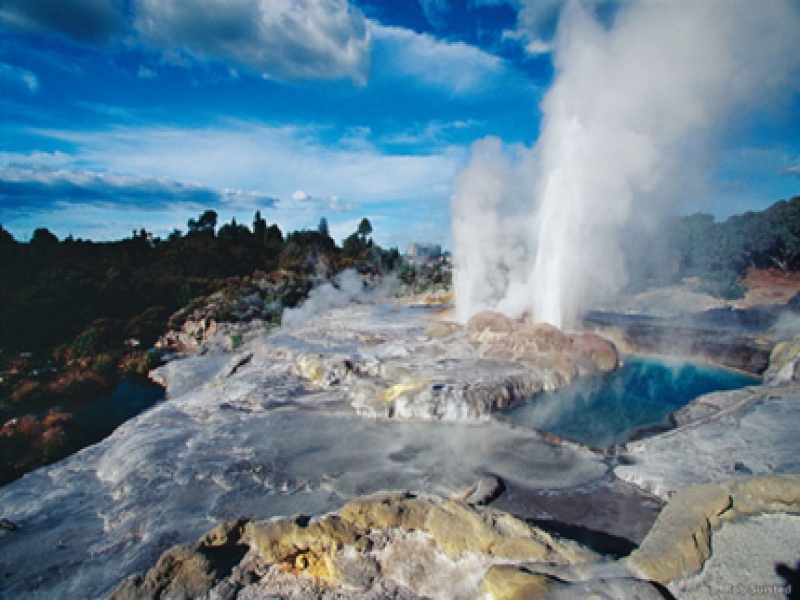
(452, 373)
(393, 545)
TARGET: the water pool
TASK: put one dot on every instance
(604, 410)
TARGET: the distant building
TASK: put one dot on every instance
(423, 253)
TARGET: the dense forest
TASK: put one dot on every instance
(52, 291)
(718, 254)
(76, 314)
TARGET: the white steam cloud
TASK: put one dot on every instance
(349, 288)
(629, 124)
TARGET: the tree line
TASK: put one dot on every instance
(718, 254)
(51, 290)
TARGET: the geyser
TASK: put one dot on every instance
(629, 125)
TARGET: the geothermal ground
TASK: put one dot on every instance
(376, 423)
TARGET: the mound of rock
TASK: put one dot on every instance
(784, 362)
(406, 545)
(390, 545)
(212, 322)
(455, 373)
(680, 542)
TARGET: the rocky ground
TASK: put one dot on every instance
(351, 455)
(679, 320)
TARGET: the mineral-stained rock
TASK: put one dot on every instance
(784, 361)
(483, 491)
(405, 545)
(322, 371)
(440, 330)
(374, 532)
(489, 326)
(506, 582)
(598, 351)
(457, 374)
(188, 571)
(681, 539)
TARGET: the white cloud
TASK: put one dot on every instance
(432, 133)
(294, 165)
(299, 196)
(279, 161)
(18, 76)
(454, 66)
(791, 171)
(280, 39)
(86, 21)
(36, 188)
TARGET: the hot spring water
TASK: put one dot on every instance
(603, 410)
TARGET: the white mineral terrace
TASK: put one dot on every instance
(354, 401)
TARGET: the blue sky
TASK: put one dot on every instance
(121, 114)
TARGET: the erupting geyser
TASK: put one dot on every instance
(628, 127)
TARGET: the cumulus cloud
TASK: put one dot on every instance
(454, 66)
(299, 196)
(85, 21)
(329, 203)
(280, 160)
(36, 188)
(280, 39)
(19, 77)
(537, 20)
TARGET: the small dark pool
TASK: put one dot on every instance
(93, 419)
(604, 410)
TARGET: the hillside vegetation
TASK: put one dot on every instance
(720, 253)
(75, 314)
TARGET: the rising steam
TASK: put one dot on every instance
(629, 126)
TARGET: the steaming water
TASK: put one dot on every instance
(603, 410)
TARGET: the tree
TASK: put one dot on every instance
(207, 223)
(233, 232)
(322, 228)
(6, 239)
(364, 229)
(259, 227)
(352, 246)
(43, 238)
(273, 241)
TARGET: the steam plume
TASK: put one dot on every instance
(635, 112)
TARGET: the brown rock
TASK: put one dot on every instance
(680, 541)
(489, 326)
(439, 330)
(598, 351)
(398, 510)
(542, 337)
(190, 570)
(783, 362)
(506, 582)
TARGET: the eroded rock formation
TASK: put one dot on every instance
(406, 545)
(455, 373)
(389, 545)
